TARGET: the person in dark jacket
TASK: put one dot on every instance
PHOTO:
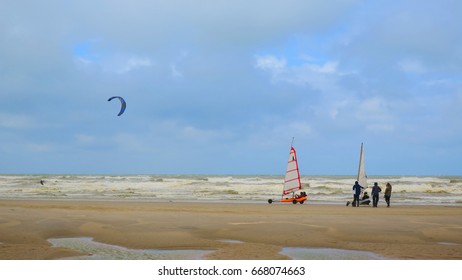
(356, 192)
(375, 194)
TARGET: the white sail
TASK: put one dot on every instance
(362, 177)
(292, 180)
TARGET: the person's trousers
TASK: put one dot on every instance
(387, 200)
(375, 200)
(355, 200)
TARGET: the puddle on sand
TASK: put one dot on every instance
(231, 241)
(101, 251)
(328, 254)
(448, 243)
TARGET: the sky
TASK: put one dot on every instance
(222, 87)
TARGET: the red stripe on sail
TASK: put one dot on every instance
(291, 180)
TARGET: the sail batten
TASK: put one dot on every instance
(292, 179)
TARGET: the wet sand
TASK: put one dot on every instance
(263, 230)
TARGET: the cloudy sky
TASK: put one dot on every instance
(221, 87)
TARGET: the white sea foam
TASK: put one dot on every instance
(320, 189)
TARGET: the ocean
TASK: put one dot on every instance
(419, 190)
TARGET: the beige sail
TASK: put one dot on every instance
(362, 177)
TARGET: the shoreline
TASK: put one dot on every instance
(230, 201)
(263, 230)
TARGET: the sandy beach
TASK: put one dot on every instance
(263, 230)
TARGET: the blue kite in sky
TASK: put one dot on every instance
(124, 105)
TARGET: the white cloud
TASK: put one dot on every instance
(189, 132)
(271, 63)
(85, 139)
(372, 105)
(39, 148)
(132, 142)
(329, 67)
(122, 64)
(319, 76)
(203, 135)
(90, 53)
(16, 121)
(175, 72)
(385, 48)
(336, 108)
(439, 82)
(380, 128)
(301, 128)
(174, 66)
(412, 66)
(375, 113)
(83, 61)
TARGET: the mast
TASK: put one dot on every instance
(360, 161)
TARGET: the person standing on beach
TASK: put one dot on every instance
(356, 192)
(375, 194)
(388, 194)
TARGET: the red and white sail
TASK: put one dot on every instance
(292, 180)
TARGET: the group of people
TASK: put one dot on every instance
(302, 194)
(365, 200)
